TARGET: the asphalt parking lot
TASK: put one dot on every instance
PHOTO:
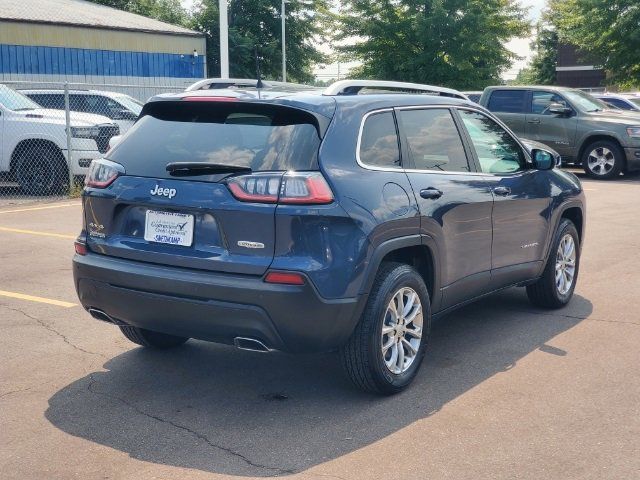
(507, 391)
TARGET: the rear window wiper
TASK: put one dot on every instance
(186, 169)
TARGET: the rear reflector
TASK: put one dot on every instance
(285, 278)
(81, 248)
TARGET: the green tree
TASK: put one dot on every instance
(545, 56)
(457, 43)
(170, 11)
(256, 24)
(609, 30)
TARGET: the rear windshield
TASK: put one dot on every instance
(261, 137)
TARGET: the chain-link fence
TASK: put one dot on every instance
(50, 132)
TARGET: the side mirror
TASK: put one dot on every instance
(124, 115)
(559, 109)
(113, 141)
(542, 159)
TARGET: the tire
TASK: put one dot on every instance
(603, 160)
(41, 170)
(547, 292)
(149, 338)
(362, 356)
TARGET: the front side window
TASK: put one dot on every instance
(433, 140)
(379, 141)
(507, 101)
(497, 151)
(540, 102)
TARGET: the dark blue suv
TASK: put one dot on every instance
(345, 219)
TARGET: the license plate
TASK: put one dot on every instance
(169, 227)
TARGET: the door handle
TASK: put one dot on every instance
(502, 191)
(430, 193)
(535, 120)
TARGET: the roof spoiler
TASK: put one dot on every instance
(353, 87)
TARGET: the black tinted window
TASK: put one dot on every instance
(262, 137)
(433, 140)
(507, 101)
(47, 100)
(617, 103)
(379, 141)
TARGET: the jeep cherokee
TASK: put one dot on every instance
(317, 221)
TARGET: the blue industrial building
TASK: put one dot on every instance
(88, 44)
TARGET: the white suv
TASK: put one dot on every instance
(120, 108)
(33, 143)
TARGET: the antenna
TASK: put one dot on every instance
(259, 84)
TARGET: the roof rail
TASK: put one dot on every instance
(221, 83)
(353, 87)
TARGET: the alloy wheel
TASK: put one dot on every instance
(565, 264)
(601, 161)
(402, 330)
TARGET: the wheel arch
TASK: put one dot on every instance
(24, 145)
(419, 251)
(572, 210)
(597, 137)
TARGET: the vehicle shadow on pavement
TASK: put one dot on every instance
(221, 410)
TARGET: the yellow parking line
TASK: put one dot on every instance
(33, 232)
(32, 298)
(46, 207)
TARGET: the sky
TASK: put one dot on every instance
(520, 46)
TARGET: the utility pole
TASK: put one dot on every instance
(224, 39)
(284, 48)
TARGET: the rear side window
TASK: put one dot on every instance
(379, 141)
(261, 137)
(617, 103)
(53, 101)
(507, 101)
(433, 140)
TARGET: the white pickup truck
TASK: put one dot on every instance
(33, 143)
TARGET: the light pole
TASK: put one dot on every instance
(284, 43)
(224, 39)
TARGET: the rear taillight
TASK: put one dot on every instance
(259, 188)
(102, 173)
(300, 188)
(80, 247)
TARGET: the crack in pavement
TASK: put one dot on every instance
(277, 471)
(6, 394)
(574, 317)
(49, 328)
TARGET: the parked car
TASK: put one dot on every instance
(120, 108)
(305, 222)
(473, 96)
(580, 127)
(33, 143)
(623, 101)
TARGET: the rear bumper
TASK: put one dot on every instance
(213, 306)
(633, 158)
